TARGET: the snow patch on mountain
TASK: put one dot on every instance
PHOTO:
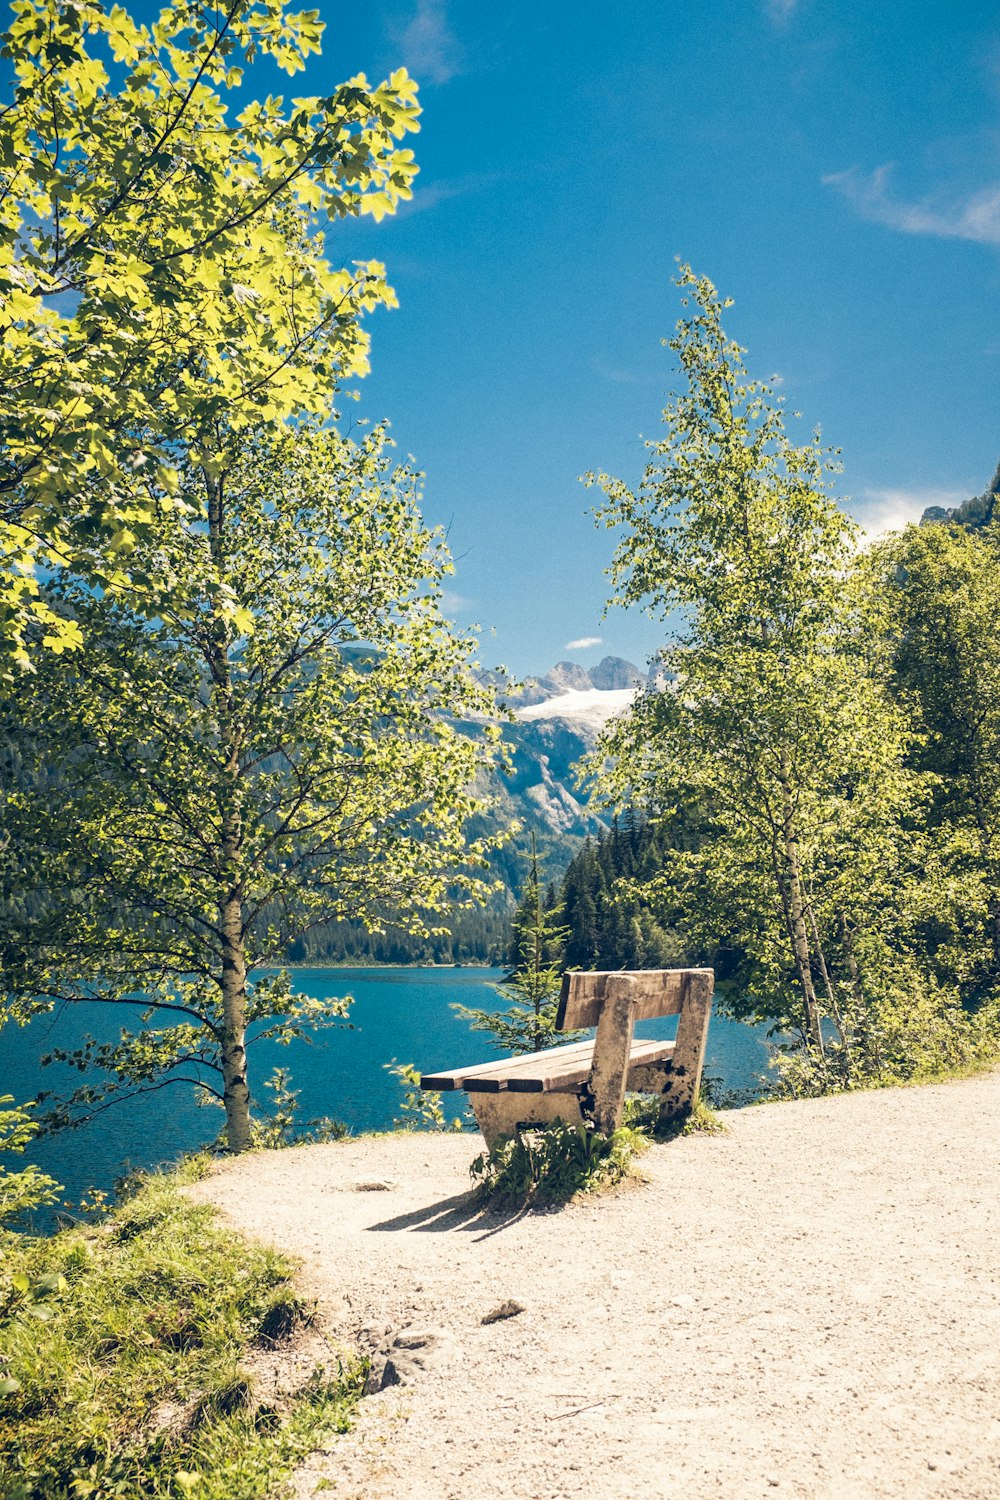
(590, 706)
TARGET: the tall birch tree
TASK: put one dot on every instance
(185, 795)
(775, 727)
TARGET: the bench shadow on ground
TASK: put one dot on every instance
(461, 1211)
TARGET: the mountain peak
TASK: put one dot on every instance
(566, 676)
(568, 680)
(613, 674)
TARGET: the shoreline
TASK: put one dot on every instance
(333, 966)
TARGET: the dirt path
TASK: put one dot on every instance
(807, 1306)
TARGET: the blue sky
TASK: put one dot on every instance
(833, 166)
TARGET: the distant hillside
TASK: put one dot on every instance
(557, 719)
(974, 513)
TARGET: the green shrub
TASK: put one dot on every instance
(122, 1360)
(912, 1032)
(28, 1188)
(422, 1108)
(554, 1164)
(642, 1112)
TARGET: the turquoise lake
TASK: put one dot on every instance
(398, 1013)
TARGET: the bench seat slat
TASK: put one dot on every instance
(553, 1070)
(456, 1078)
(552, 1078)
(528, 1064)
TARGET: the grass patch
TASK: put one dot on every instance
(130, 1360)
(642, 1113)
(554, 1164)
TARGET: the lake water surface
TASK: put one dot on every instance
(398, 1013)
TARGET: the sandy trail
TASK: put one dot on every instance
(808, 1306)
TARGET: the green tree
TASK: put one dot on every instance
(580, 894)
(29, 1187)
(163, 267)
(940, 589)
(776, 727)
(187, 795)
(528, 1023)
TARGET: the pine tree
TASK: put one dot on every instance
(532, 989)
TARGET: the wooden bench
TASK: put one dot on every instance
(588, 1080)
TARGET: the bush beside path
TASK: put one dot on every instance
(808, 1305)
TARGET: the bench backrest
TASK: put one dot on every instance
(658, 992)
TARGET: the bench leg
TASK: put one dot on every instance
(612, 1046)
(684, 1078)
(501, 1114)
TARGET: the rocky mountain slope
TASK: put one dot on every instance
(558, 718)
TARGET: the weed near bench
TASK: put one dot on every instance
(554, 1164)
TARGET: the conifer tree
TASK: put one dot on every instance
(528, 1024)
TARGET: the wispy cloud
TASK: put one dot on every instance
(619, 375)
(880, 510)
(429, 195)
(584, 643)
(780, 11)
(454, 603)
(430, 49)
(974, 216)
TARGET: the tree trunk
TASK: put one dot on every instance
(233, 983)
(831, 994)
(868, 1038)
(796, 910)
(986, 859)
(236, 1093)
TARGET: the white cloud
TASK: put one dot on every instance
(880, 510)
(780, 11)
(430, 49)
(622, 376)
(584, 643)
(454, 603)
(975, 216)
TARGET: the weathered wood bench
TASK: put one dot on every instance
(588, 1080)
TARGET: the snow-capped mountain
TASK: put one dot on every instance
(566, 679)
(591, 706)
(558, 719)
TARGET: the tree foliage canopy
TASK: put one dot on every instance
(939, 592)
(163, 270)
(776, 736)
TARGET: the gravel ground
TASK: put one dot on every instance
(808, 1305)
